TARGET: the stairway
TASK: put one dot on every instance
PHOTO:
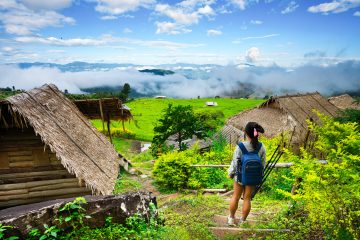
(254, 227)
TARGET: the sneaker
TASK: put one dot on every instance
(231, 221)
(241, 221)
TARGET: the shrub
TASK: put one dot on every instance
(173, 170)
(330, 192)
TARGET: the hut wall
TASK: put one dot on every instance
(30, 172)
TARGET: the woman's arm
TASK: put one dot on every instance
(262, 154)
(233, 166)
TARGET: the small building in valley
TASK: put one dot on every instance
(211, 104)
(49, 150)
(286, 114)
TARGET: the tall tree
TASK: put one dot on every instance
(125, 92)
(179, 120)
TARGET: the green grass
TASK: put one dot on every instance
(147, 111)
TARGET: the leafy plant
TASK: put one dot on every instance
(173, 170)
(330, 192)
(51, 232)
(4, 228)
(73, 212)
(179, 120)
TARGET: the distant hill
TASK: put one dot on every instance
(160, 72)
(76, 66)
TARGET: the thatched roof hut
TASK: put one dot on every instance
(231, 134)
(105, 108)
(344, 101)
(48, 150)
(286, 113)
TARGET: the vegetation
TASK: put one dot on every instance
(147, 111)
(125, 184)
(173, 170)
(350, 115)
(7, 92)
(326, 205)
(179, 121)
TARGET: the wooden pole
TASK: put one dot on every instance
(102, 114)
(108, 125)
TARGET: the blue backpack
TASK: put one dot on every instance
(250, 168)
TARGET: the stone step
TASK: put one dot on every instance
(221, 221)
(245, 233)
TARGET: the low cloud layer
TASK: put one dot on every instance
(340, 77)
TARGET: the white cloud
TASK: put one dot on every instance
(329, 79)
(206, 11)
(170, 28)
(240, 3)
(258, 37)
(357, 14)
(109, 17)
(20, 20)
(213, 32)
(256, 22)
(334, 6)
(50, 5)
(116, 7)
(56, 51)
(193, 3)
(104, 41)
(252, 54)
(183, 14)
(291, 7)
(261, 37)
(7, 49)
(178, 14)
(62, 42)
(127, 30)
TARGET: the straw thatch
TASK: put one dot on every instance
(286, 113)
(105, 108)
(344, 101)
(82, 150)
(231, 134)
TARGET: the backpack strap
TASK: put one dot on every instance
(243, 148)
(258, 148)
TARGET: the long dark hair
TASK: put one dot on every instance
(252, 128)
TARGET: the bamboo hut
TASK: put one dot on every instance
(106, 109)
(286, 114)
(49, 150)
(231, 134)
(344, 101)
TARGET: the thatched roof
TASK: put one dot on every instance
(77, 144)
(104, 108)
(344, 101)
(286, 113)
(231, 134)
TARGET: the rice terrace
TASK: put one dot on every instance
(179, 120)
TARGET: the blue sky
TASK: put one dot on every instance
(150, 32)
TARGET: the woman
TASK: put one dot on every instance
(252, 131)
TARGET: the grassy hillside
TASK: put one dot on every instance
(147, 111)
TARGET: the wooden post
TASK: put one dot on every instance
(102, 114)
(108, 125)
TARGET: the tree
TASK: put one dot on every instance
(125, 92)
(180, 120)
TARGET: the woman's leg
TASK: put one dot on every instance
(247, 201)
(235, 198)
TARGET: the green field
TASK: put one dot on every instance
(147, 111)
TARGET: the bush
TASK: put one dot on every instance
(330, 192)
(173, 170)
